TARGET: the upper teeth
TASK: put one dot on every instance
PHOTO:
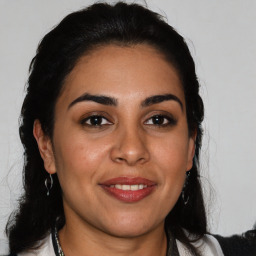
(129, 187)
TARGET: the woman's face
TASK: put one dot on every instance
(121, 145)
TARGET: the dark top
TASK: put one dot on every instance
(238, 245)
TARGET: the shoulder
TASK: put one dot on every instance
(46, 248)
(207, 245)
(244, 244)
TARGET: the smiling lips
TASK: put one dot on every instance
(129, 189)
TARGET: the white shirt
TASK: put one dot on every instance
(208, 246)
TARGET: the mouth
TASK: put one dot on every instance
(128, 189)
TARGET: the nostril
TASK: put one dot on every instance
(120, 159)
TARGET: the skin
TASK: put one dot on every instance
(128, 143)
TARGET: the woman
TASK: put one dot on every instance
(111, 127)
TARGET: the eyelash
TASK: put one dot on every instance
(165, 121)
(99, 117)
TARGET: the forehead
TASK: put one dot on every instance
(122, 72)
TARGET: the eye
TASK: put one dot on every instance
(161, 120)
(95, 121)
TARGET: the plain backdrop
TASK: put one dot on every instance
(222, 38)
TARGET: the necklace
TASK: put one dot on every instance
(171, 245)
(56, 244)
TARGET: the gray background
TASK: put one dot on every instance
(222, 38)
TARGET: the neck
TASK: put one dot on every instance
(77, 239)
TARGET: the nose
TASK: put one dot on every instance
(130, 147)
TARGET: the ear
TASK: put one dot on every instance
(45, 147)
(191, 150)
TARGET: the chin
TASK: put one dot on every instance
(128, 232)
(130, 228)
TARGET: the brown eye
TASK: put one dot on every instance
(161, 120)
(95, 120)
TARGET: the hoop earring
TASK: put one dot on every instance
(48, 184)
(184, 197)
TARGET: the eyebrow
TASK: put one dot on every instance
(110, 101)
(101, 99)
(160, 98)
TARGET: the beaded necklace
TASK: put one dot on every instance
(56, 244)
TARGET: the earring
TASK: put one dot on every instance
(48, 184)
(185, 199)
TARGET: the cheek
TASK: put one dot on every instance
(170, 157)
(79, 157)
(172, 153)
